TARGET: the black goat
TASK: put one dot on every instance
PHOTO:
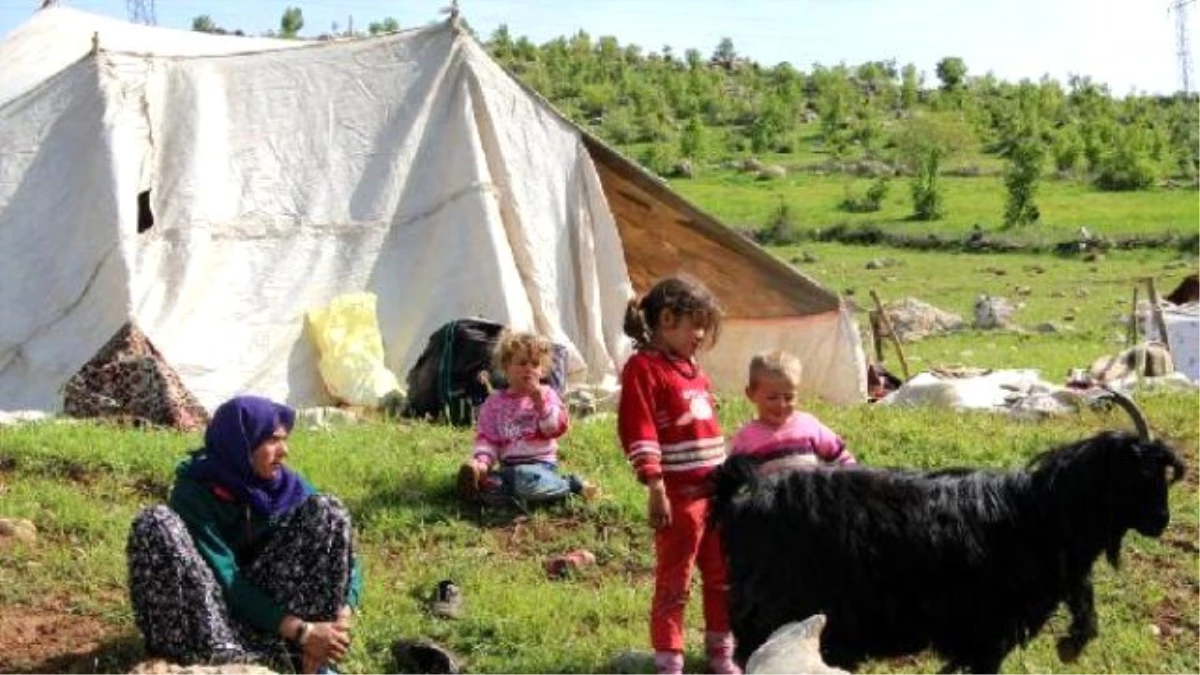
(970, 563)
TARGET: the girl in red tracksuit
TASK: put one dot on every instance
(669, 431)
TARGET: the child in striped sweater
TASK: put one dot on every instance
(516, 442)
(782, 437)
(669, 430)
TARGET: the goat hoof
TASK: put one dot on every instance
(1069, 649)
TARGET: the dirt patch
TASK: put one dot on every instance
(1175, 617)
(50, 640)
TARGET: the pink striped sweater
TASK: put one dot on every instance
(801, 441)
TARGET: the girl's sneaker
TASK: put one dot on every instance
(469, 475)
(719, 649)
(668, 662)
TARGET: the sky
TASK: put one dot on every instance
(1130, 45)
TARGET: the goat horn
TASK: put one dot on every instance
(1139, 419)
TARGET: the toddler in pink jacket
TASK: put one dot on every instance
(782, 437)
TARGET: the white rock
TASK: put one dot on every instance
(792, 648)
(161, 667)
(17, 529)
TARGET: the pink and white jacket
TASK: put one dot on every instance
(800, 442)
(511, 431)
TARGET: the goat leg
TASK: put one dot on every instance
(1081, 603)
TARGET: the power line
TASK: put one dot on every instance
(1182, 43)
(141, 11)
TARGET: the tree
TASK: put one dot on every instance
(693, 142)
(724, 54)
(1021, 180)
(952, 71)
(387, 25)
(204, 24)
(910, 87)
(924, 143)
(291, 22)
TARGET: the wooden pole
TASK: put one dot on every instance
(1133, 320)
(887, 325)
(1156, 310)
(876, 337)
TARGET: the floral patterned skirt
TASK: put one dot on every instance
(304, 566)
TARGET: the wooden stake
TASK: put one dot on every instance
(876, 339)
(887, 325)
(1133, 320)
(1156, 310)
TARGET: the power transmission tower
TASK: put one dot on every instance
(141, 11)
(1182, 43)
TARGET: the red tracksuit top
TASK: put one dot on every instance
(667, 419)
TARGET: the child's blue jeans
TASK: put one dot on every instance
(537, 482)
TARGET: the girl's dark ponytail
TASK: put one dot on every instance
(635, 324)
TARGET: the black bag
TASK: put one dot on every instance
(444, 383)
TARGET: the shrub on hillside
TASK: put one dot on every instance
(660, 158)
(1126, 169)
(780, 229)
(870, 202)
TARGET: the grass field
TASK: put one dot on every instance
(741, 200)
(82, 483)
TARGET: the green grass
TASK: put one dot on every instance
(1097, 294)
(740, 199)
(82, 483)
(396, 481)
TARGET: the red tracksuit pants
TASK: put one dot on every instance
(686, 542)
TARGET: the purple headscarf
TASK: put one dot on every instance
(239, 426)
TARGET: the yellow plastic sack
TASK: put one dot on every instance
(347, 337)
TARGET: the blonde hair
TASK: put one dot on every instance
(682, 295)
(510, 345)
(776, 364)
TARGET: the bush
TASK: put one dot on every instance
(1068, 150)
(871, 202)
(660, 158)
(780, 229)
(1021, 180)
(1125, 170)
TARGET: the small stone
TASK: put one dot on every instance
(161, 667)
(772, 172)
(1155, 630)
(17, 530)
(1047, 327)
(875, 264)
(633, 661)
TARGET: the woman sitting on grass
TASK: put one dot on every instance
(516, 443)
(248, 563)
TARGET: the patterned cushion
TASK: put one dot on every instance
(129, 379)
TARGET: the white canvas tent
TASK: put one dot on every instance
(282, 174)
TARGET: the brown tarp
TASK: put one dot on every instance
(664, 234)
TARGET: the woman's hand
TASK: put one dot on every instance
(345, 618)
(325, 642)
(659, 506)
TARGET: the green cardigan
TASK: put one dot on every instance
(219, 530)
